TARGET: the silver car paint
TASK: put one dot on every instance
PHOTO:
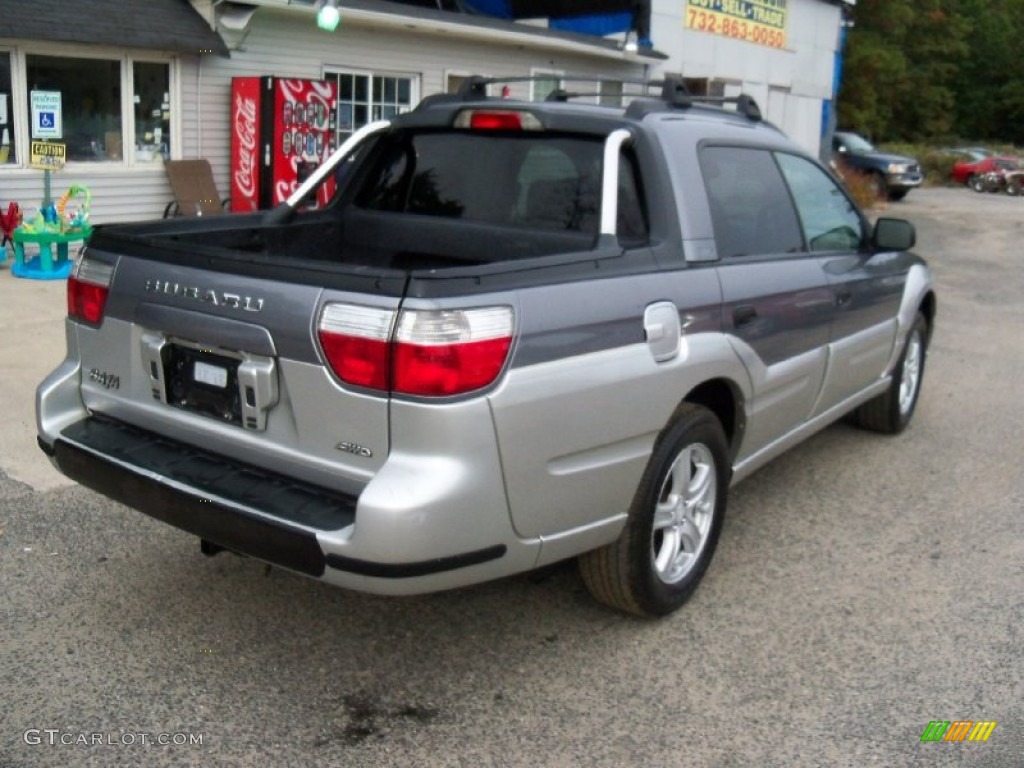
(313, 414)
(599, 415)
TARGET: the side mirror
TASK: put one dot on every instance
(893, 235)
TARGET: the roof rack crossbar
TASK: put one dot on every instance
(673, 91)
(745, 104)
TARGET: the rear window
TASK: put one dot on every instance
(531, 180)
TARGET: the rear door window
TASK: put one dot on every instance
(751, 209)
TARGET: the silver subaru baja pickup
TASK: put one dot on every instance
(519, 333)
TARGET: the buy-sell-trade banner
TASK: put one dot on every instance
(756, 21)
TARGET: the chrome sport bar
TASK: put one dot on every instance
(613, 145)
(284, 211)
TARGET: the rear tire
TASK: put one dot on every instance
(891, 411)
(673, 524)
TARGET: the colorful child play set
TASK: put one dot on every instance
(54, 226)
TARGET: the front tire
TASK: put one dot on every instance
(976, 182)
(673, 524)
(891, 411)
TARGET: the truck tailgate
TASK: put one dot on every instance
(232, 364)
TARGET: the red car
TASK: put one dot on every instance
(975, 163)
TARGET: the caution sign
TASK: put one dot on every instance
(47, 155)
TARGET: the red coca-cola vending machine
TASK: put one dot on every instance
(282, 129)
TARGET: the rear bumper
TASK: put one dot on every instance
(235, 506)
(251, 511)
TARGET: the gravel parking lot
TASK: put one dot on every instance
(863, 587)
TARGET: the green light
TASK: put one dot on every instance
(328, 17)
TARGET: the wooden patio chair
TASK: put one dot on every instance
(195, 192)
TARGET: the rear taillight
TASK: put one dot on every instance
(355, 340)
(88, 287)
(427, 353)
(448, 352)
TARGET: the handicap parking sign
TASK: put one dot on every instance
(46, 115)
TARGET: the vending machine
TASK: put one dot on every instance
(282, 129)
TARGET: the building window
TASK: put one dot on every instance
(363, 98)
(453, 82)
(152, 105)
(546, 81)
(91, 103)
(702, 86)
(7, 136)
(114, 110)
(610, 93)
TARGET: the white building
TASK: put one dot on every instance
(786, 62)
(145, 80)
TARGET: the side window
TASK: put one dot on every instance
(830, 221)
(751, 210)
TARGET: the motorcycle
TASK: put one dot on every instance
(1015, 183)
(998, 179)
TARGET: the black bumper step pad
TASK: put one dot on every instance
(197, 491)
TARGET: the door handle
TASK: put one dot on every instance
(843, 297)
(743, 314)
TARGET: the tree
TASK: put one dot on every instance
(902, 65)
(989, 85)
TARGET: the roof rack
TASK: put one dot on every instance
(671, 91)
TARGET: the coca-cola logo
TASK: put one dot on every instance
(245, 133)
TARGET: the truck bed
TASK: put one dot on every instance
(359, 238)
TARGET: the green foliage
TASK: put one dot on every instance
(936, 164)
(934, 70)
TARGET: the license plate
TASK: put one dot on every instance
(203, 382)
(213, 375)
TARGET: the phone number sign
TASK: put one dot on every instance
(755, 21)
